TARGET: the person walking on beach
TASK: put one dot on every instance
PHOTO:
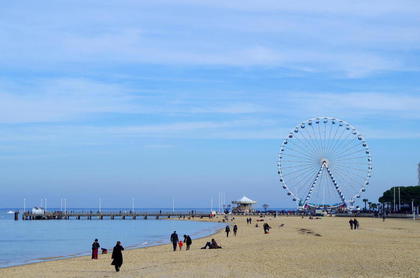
(180, 244)
(235, 229)
(174, 240)
(266, 228)
(188, 241)
(351, 224)
(356, 224)
(227, 230)
(117, 257)
(95, 248)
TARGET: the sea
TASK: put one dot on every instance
(25, 242)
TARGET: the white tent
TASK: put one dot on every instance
(244, 200)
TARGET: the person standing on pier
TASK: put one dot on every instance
(95, 248)
(174, 240)
(117, 257)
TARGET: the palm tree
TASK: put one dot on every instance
(365, 201)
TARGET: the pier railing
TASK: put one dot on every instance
(57, 215)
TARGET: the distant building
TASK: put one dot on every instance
(243, 205)
(38, 211)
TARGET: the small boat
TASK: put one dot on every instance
(10, 212)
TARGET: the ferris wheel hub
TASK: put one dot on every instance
(324, 162)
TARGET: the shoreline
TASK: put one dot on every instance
(130, 247)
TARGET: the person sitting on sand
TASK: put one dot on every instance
(95, 248)
(212, 245)
(117, 257)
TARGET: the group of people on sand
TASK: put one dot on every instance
(354, 224)
(179, 243)
(117, 257)
(235, 230)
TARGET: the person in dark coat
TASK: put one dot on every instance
(356, 224)
(174, 240)
(235, 229)
(188, 241)
(117, 257)
(266, 228)
(212, 245)
(351, 222)
(95, 248)
(227, 230)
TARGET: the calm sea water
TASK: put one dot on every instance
(23, 242)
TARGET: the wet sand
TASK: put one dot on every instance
(294, 247)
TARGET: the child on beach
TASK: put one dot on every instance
(180, 244)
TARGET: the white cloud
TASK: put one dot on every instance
(355, 38)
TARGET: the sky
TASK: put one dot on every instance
(180, 100)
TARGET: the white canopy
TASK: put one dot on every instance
(244, 200)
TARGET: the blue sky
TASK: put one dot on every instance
(162, 99)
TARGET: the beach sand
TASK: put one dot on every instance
(300, 248)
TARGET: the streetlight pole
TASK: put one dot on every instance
(132, 205)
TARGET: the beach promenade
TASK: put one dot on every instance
(295, 247)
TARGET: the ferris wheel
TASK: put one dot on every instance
(324, 163)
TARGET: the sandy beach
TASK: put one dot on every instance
(294, 247)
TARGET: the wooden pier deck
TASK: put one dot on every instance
(59, 215)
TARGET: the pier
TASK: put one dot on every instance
(122, 215)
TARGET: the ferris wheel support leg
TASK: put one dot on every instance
(308, 196)
(336, 185)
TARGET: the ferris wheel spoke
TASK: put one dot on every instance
(315, 179)
(346, 151)
(334, 138)
(352, 168)
(304, 154)
(297, 165)
(350, 158)
(300, 170)
(312, 142)
(337, 187)
(308, 147)
(342, 143)
(304, 147)
(296, 156)
(346, 177)
(351, 153)
(303, 183)
(337, 140)
(339, 158)
(316, 141)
